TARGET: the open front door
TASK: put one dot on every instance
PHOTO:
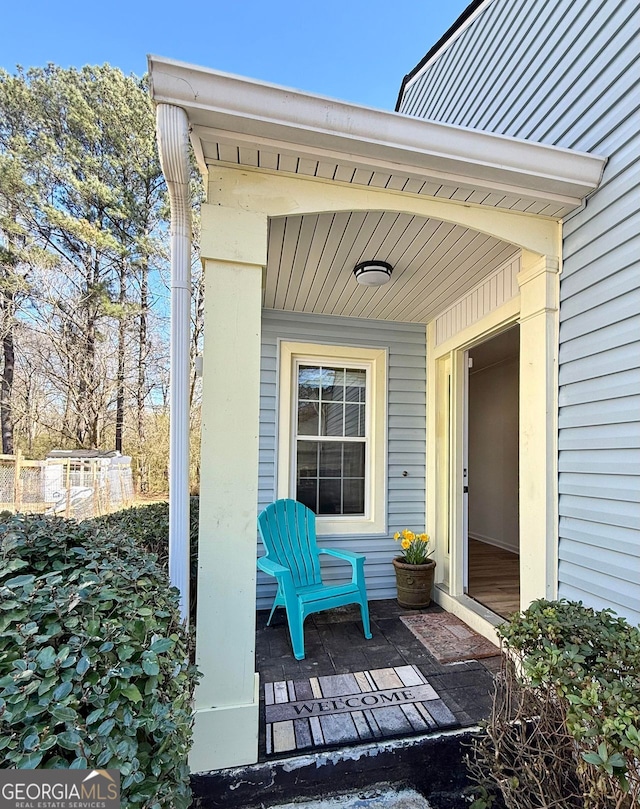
(490, 480)
(477, 472)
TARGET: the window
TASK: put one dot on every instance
(332, 434)
(331, 440)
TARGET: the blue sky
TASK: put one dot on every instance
(357, 50)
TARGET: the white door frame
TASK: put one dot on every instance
(536, 310)
(451, 591)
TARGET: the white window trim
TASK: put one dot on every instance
(375, 361)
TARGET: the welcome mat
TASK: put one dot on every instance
(347, 708)
(448, 638)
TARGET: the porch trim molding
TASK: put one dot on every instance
(494, 320)
(281, 195)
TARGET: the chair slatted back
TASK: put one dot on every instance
(288, 531)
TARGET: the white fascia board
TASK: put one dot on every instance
(262, 111)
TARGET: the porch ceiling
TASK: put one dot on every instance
(240, 122)
(311, 259)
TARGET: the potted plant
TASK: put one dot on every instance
(414, 570)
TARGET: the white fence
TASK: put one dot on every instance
(69, 487)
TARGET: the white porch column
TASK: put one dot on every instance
(539, 303)
(234, 251)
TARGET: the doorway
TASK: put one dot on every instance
(491, 473)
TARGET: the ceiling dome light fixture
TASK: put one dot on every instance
(372, 273)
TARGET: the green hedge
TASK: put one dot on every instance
(93, 669)
(569, 694)
(592, 659)
(149, 526)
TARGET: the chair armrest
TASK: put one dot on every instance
(272, 568)
(283, 575)
(356, 560)
(349, 556)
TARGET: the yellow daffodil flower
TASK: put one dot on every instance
(415, 547)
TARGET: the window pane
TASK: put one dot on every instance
(353, 496)
(330, 459)
(355, 385)
(328, 381)
(329, 498)
(307, 493)
(330, 476)
(332, 416)
(307, 459)
(308, 421)
(354, 420)
(353, 463)
(333, 384)
(308, 382)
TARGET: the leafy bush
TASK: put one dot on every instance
(149, 526)
(566, 718)
(93, 669)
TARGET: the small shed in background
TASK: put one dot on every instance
(70, 483)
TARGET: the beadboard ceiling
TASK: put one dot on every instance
(311, 260)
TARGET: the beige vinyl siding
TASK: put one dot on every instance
(406, 432)
(568, 74)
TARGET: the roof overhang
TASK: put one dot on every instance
(241, 121)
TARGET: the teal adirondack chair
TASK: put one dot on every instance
(288, 531)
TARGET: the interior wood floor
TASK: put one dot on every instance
(494, 578)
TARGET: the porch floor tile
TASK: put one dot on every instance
(297, 709)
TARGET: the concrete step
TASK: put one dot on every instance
(383, 796)
(431, 765)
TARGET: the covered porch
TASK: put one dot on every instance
(351, 691)
(300, 189)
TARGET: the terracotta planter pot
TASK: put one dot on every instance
(414, 583)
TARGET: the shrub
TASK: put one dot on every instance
(93, 669)
(149, 526)
(566, 717)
